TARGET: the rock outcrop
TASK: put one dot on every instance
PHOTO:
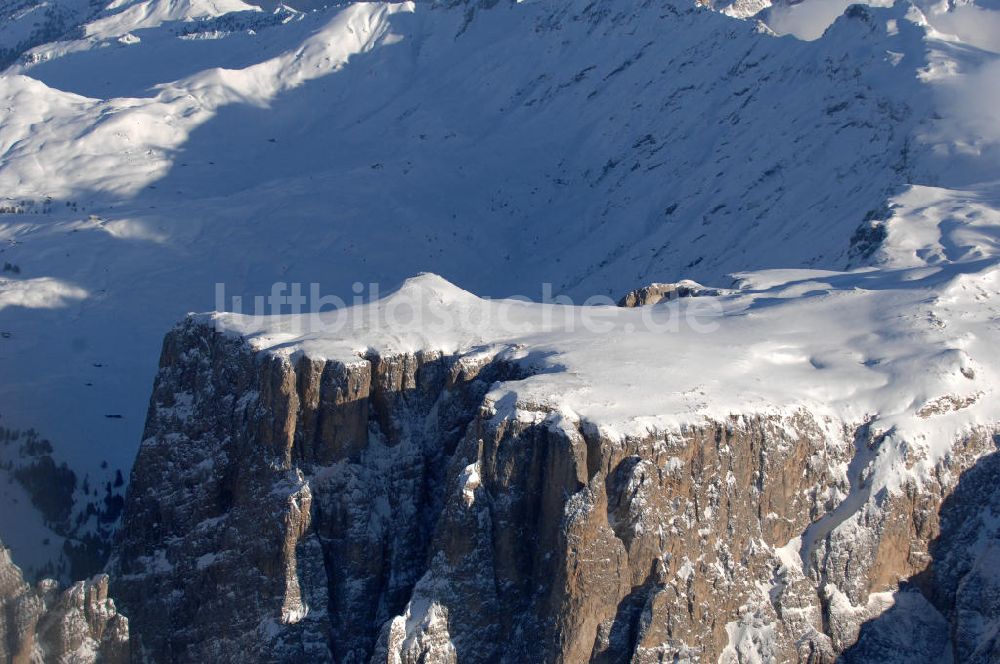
(949, 611)
(46, 624)
(410, 508)
(286, 504)
(656, 292)
(963, 579)
(576, 548)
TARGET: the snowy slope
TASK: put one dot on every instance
(166, 147)
(25, 24)
(910, 347)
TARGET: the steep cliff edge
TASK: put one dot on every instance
(46, 624)
(304, 496)
(307, 483)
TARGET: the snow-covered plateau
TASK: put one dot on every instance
(790, 457)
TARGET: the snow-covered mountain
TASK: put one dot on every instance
(155, 155)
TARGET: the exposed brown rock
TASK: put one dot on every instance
(655, 292)
(388, 510)
(43, 624)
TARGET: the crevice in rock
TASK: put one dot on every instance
(620, 642)
(866, 445)
(950, 610)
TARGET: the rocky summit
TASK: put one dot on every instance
(433, 505)
(388, 510)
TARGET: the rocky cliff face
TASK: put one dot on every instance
(949, 610)
(584, 550)
(303, 493)
(46, 624)
(410, 508)
(963, 580)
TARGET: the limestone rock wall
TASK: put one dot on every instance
(285, 505)
(394, 509)
(46, 624)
